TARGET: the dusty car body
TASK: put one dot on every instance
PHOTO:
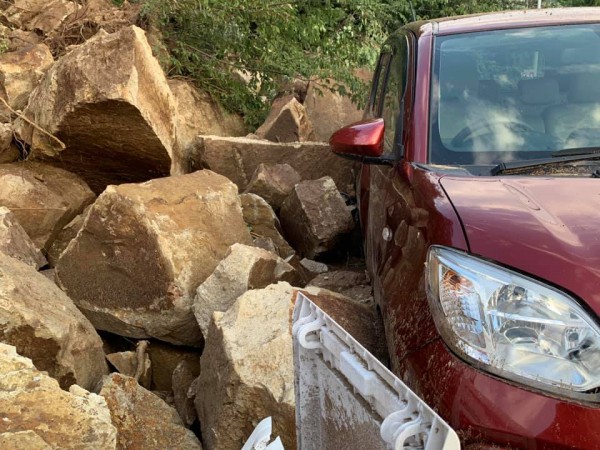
(479, 205)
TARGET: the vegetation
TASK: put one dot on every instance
(244, 51)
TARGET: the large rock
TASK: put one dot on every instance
(44, 325)
(273, 183)
(143, 420)
(66, 235)
(263, 223)
(198, 113)
(314, 217)
(20, 73)
(134, 267)
(42, 16)
(238, 159)
(109, 102)
(38, 414)
(244, 268)
(247, 372)
(15, 242)
(287, 122)
(42, 198)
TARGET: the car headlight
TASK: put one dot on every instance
(513, 325)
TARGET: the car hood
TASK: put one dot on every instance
(546, 227)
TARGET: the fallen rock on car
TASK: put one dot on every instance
(42, 198)
(273, 182)
(287, 122)
(44, 325)
(134, 267)
(246, 371)
(117, 119)
(15, 242)
(143, 420)
(38, 414)
(243, 268)
(314, 217)
(238, 159)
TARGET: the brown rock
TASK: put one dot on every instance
(21, 72)
(8, 150)
(198, 113)
(42, 198)
(315, 217)
(243, 268)
(183, 377)
(273, 183)
(247, 372)
(238, 159)
(264, 223)
(126, 364)
(18, 39)
(117, 119)
(38, 414)
(43, 16)
(287, 122)
(15, 243)
(143, 420)
(143, 250)
(66, 235)
(44, 325)
(165, 358)
(352, 284)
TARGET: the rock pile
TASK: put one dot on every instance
(149, 254)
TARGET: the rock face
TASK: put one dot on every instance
(38, 414)
(15, 242)
(66, 235)
(143, 420)
(264, 223)
(315, 216)
(246, 371)
(244, 268)
(143, 250)
(42, 198)
(21, 71)
(238, 159)
(198, 113)
(109, 102)
(44, 325)
(287, 122)
(273, 183)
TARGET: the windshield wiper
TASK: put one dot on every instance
(503, 167)
(577, 151)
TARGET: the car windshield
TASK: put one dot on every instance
(515, 95)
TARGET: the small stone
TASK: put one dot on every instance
(314, 266)
(287, 122)
(126, 364)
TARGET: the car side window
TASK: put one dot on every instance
(393, 99)
(375, 103)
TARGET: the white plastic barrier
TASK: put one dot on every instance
(260, 437)
(346, 399)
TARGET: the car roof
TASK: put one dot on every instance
(505, 19)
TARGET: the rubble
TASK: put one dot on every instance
(287, 122)
(243, 268)
(314, 217)
(15, 242)
(246, 370)
(134, 267)
(273, 183)
(38, 414)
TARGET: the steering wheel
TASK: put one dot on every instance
(463, 135)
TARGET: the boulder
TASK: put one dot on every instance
(273, 183)
(15, 242)
(350, 283)
(198, 113)
(21, 72)
(143, 420)
(243, 268)
(42, 198)
(109, 102)
(134, 267)
(165, 358)
(183, 378)
(126, 364)
(263, 223)
(314, 217)
(66, 235)
(38, 414)
(246, 370)
(44, 325)
(287, 122)
(238, 159)
(42, 16)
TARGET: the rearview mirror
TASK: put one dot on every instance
(360, 140)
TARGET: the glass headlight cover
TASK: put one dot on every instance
(512, 324)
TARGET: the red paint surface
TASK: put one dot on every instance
(364, 138)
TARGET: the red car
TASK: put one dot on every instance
(480, 205)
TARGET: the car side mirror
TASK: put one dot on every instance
(361, 140)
